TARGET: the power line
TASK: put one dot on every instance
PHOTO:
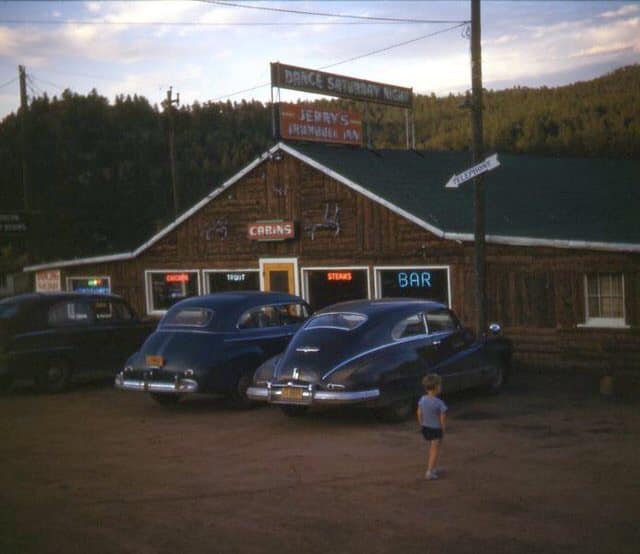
(9, 82)
(397, 45)
(44, 81)
(198, 23)
(327, 14)
(359, 57)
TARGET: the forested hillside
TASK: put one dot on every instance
(99, 177)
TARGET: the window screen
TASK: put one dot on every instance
(605, 297)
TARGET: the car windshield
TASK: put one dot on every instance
(343, 321)
(8, 309)
(191, 317)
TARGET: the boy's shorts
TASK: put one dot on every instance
(431, 433)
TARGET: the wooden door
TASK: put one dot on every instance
(279, 277)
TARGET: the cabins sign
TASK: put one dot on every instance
(319, 125)
(271, 230)
(319, 82)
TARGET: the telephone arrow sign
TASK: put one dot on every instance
(490, 163)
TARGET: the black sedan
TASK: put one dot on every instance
(213, 344)
(376, 352)
(56, 337)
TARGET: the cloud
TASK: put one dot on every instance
(622, 11)
(503, 39)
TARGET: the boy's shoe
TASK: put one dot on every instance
(430, 475)
(439, 471)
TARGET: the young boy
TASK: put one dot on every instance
(432, 417)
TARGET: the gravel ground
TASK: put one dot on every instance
(546, 466)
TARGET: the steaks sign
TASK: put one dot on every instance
(271, 230)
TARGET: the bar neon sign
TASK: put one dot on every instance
(340, 276)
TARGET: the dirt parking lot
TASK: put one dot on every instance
(547, 466)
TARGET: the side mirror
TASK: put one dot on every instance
(495, 328)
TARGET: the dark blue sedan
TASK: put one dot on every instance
(213, 344)
(375, 353)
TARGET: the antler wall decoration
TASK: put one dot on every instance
(220, 228)
(280, 189)
(330, 222)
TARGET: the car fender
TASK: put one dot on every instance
(225, 375)
(392, 367)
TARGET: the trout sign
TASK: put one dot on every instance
(487, 165)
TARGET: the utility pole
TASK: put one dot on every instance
(478, 148)
(168, 104)
(22, 73)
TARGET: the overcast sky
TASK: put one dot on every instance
(125, 50)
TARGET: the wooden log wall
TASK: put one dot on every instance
(537, 294)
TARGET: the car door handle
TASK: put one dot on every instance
(436, 342)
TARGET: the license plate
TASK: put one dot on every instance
(292, 393)
(154, 361)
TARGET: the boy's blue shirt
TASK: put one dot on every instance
(430, 408)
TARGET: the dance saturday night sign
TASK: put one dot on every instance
(330, 84)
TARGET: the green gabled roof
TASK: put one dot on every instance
(529, 197)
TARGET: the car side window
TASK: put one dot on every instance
(292, 314)
(103, 310)
(441, 320)
(108, 310)
(257, 318)
(122, 311)
(70, 312)
(409, 327)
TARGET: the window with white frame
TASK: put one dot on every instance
(329, 285)
(605, 299)
(91, 285)
(231, 280)
(427, 282)
(165, 288)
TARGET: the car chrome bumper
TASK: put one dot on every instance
(308, 395)
(167, 387)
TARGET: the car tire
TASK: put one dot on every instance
(398, 411)
(294, 411)
(165, 399)
(56, 376)
(238, 397)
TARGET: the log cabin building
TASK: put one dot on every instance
(332, 223)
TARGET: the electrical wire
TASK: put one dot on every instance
(44, 81)
(359, 57)
(397, 45)
(9, 82)
(326, 14)
(197, 23)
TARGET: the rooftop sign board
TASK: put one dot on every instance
(319, 82)
(12, 223)
(320, 125)
(48, 281)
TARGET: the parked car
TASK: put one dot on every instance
(375, 353)
(55, 337)
(213, 344)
